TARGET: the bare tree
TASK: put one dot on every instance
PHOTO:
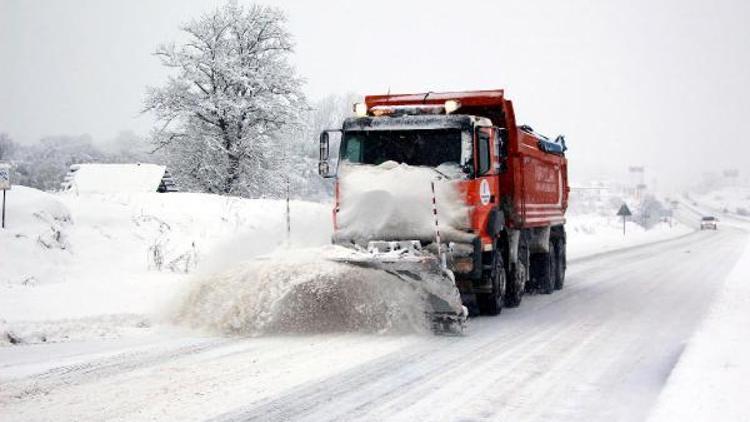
(232, 98)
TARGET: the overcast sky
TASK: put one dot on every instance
(657, 83)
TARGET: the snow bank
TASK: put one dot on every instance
(35, 243)
(712, 378)
(101, 327)
(590, 234)
(128, 254)
(115, 178)
(394, 201)
(306, 291)
(731, 200)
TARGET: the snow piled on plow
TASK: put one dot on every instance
(307, 291)
(393, 201)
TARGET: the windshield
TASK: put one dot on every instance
(429, 148)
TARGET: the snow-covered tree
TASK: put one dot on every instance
(7, 147)
(650, 212)
(224, 113)
(43, 165)
(129, 147)
(326, 113)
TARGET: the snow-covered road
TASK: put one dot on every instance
(601, 349)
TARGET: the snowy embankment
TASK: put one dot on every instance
(590, 234)
(712, 378)
(731, 200)
(97, 265)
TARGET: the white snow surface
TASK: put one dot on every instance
(712, 378)
(394, 202)
(590, 234)
(116, 178)
(123, 258)
(728, 200)
(35, 243)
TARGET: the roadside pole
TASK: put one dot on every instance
(288, 214)
(288, 192)
(4, 185)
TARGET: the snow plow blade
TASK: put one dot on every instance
(328, 289)
(422, 272)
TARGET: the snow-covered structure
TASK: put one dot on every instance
(117, 178)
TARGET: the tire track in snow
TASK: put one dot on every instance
(306, 397)
(84, 372)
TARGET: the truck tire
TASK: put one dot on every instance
(561, 264)
(517, 280)
(492, 303)
(543, 270)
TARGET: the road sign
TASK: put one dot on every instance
(4, 176)
(624, 212)
(4, 186)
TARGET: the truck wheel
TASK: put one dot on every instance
(516, 282)
(543, 267)
(560, 264)
(492, 303)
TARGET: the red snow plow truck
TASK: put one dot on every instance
(451, 176)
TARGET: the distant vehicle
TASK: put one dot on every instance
(709, 223)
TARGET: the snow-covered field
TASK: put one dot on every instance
(97, 264)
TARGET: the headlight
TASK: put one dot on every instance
(360, 109)
(451, 106)
(463, 265)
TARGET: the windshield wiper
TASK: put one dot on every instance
(440, 172)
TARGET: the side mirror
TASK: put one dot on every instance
(324, 169)
(324, 152)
